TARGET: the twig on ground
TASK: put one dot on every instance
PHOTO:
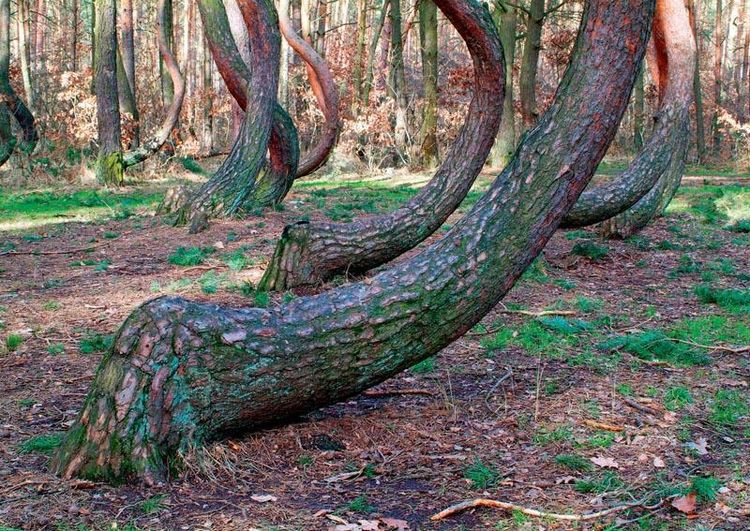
(573, 517)
(640, 407)
(737, 350)
(396, 392)
(65, 251)
(602, 426)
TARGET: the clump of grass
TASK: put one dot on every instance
(497, 341)
(360, 504)
(481, 475)
(574, 462)
(209, 282)
(588, 305)
(262, 299)
(536, 272)
(235, 260)
(576, 234)
(608, 482)
(544, 436)
(729, 406)
(590, 250)
(190, 256)
(42, 444)
(655, 345)
(705, 488)
(563, 325)
(191, 165)
(677, 398)
(741, 225)
(13, 341)
(153, 504)
(56, 349)
(51, 305)
(424, 366)
(95, 342)
(686, 265)
(728, 298)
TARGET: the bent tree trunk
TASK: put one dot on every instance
(11, 104)
(310, 253)
(151, 146)
(672, 64)
(228, 191)
(109, 166)
(181, 373)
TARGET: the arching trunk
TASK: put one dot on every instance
(182, 373)
(310, 253)
(161, 135)
(672, 66)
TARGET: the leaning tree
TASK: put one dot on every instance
(657, 169)
(245, 180)
(310, 253)
(182, 373)
(11, 104)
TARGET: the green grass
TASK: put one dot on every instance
(153, 504)
(481, 475)
(559, 434)
(729, 407)
(424, 366)
(676, 398)
(95, 342)
(56, 349)
(191, 165)
(361, 504)
(190, 256)
(713, 204)
(727, 298)
(607, 482)
(574, 462)
(705, 488)
(590, 250)
(13, 341)
(656, 345)
(41, 444)
(210, 282)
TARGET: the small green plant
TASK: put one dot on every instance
(625, 389)
(608, 482)
(686, 265)
(574, 462)
(588, 305)
(545, 436)
(481, 475)
(360, 504)
(424, 366)
(498, 341)
(565, 326)
(111, 235)
(236, 260)
(261, 299)
(305, 461)
(667, 245)
(56, 349)
(741, 225)
(600, 439)
(190, 256)
(26, 402)
(13, 341)
(209, 282)
(537, 271)
(191, 165)
(576, 234)
(51, 306)
(102, 265)
(729, 406)
(95, 342)
(729, 298)
(705, 488)
(590, 250)
(153, 504)
(677, 398)
(41, 444)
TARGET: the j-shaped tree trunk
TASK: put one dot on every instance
(109, 167)
(310, 253)
(11, 104)
(229, 189)
(161, 135)
(182, 373)
(672, 63)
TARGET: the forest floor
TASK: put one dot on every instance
(631, 386)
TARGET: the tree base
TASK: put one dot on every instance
(291, 264)
(110, 170)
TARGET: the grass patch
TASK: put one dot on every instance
(607, 482)
(656, 345)
(361, 504)
(728, 407)
(677, 398)
(41, 444)
(727, 298)
(590, 250)
(190, 256)
(574, 462)
(13, 341)
(481, 475)
(95, 342)
(153, 504)
(424, 366)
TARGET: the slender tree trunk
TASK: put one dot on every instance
(700, 121)
(718, 77)
(74, 15)
(208, 121)
(506, 21)
(359, 56)
(167, 88)
(638, 111)
(284, 63)
(428, 38)
(319, 41)
(127, 52)
(311, 253)
(109, 166)
(397, 78)
(372, 52)
(530, 63)
(127, 103)
(740, 61)
(181, 373)
(40, 23)
(23, 49)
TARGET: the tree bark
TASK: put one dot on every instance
(638, 111)
(311, 253)
(506, 20)
(22, 20)
(530, 63)
(109, 166)
(397, 77)
(181, 373)
(372, 52)
(75, 21)
(359, 56)
(700, 121)
(428, 38)
(127, 51)
(167, 88)
(10, 103)
(718, 75)
(674, 45)
(172, 115)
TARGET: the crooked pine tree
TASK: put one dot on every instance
(674, 69)
(672, 63)
(182, 373)
(11, 104)
(310, 253)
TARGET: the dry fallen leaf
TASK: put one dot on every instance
(393, 523)
(685, 504)
(605, 462)
(659, 462)
(263, 498)
(700, 445)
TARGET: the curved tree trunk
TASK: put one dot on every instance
(182, 373)
(228, 191)
(11, 104)
(664, 153)
(161, 135)
(310, 253)
(109, 167)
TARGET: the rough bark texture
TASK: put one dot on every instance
(11, 104)
(700, 133)
(372, 52)
(161, 135)
(182, 373)
(397, 77)
(530, 62)
(638, 111)
(128, 59)
(229, 189)
(672, 68)
(674, 60)
(428, 38)
(310, 253)
(718, 77)
(505, 144)
(109, 167)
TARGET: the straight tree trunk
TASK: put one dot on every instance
(359, 56)
(506, 21)
(428, 39)
(181, 373)
(740, 61)
(23, 49)
(311, 253)
(638, 111)
(397, 78)
(284, 63)
(74, 15)
(530, 63)
(127, 51)
(718, 77)
(700, 121)
(109, 166)
(126, 101)
(372, 52)
(208, 122)
(167, 88)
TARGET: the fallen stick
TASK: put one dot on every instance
(575, 517)
(640, 407)
(732, 350)
(396, 392)
(68, 251)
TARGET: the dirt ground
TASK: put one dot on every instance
(527, 408)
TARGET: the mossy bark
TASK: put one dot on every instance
(182, 373)
(312, 253)
(110, 169)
